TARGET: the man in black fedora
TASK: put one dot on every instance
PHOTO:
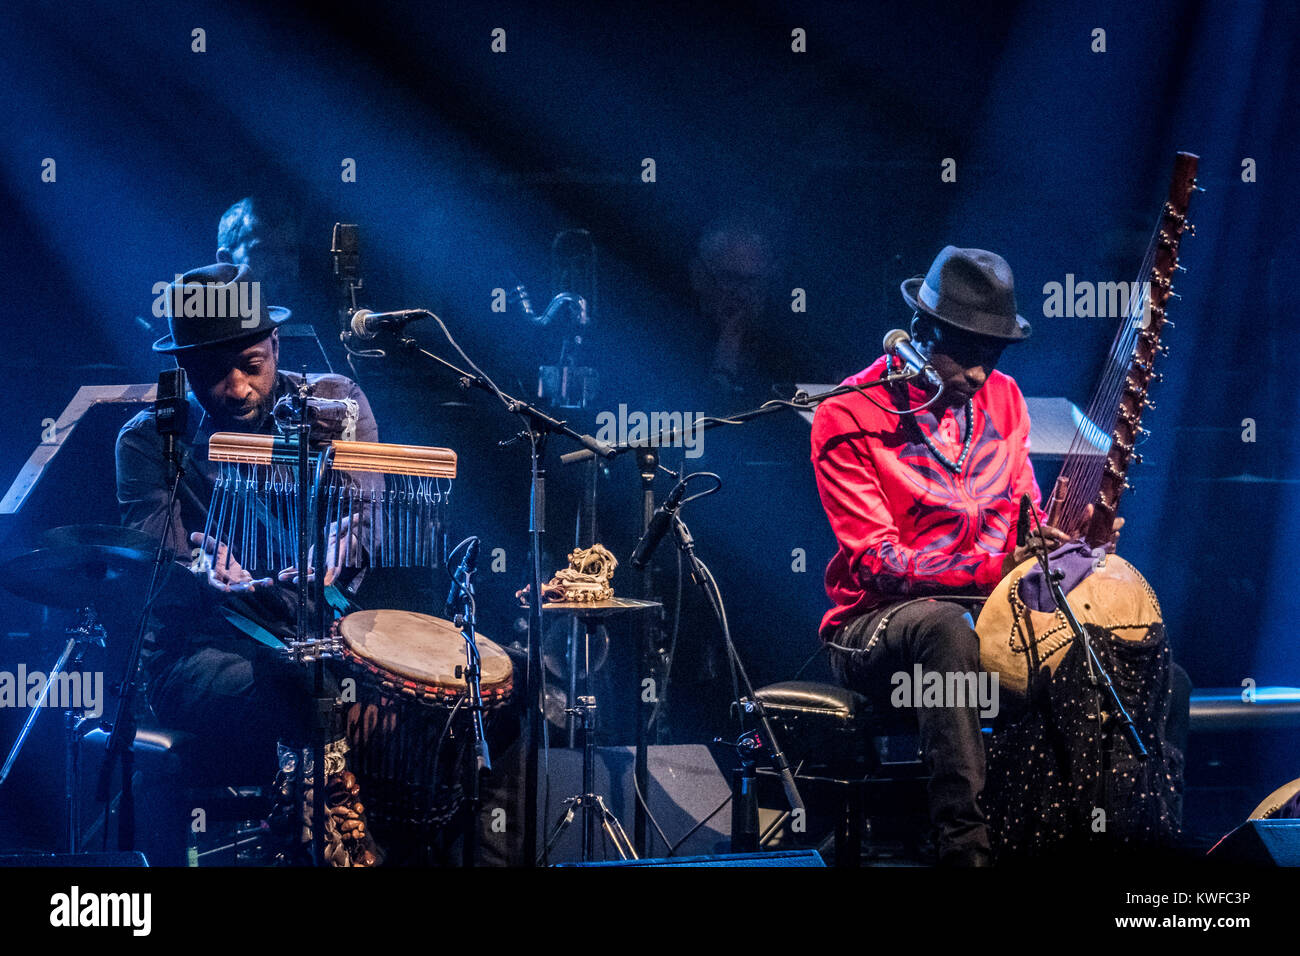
(922, 491)
(206, 674)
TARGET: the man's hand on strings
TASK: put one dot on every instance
(1057, 502)
(1110, 543)
(221, 571)
(342, 542)
(1049, 539)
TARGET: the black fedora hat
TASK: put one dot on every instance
(216, 305)
(972, 290)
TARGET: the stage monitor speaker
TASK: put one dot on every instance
(1261, 843)
(687, 785)
(778, 858)
(74, 859)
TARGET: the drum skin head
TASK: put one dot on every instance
(421, 648)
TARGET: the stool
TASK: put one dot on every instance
(167, 789)
(838, 743)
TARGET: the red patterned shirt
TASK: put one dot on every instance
(907, 526)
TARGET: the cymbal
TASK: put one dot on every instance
(108, 535)
(82, 565)
(598, 609)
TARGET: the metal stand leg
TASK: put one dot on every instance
(591, 804)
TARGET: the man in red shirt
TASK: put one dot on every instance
(924, 503)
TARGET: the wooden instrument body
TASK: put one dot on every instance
(1023, 646)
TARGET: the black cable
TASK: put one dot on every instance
(640, 798)
(730, 647)
(811, 657)
(672, 850)
(437, 747)
(661, 694)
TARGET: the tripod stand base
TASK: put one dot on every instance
(593, 803)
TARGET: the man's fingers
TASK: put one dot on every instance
(290, 575)
(208, 543)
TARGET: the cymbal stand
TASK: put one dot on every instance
(591, 804)
(86, 633)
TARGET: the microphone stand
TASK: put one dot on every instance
(121, 740)
(538, 426)
(1098, 678)
(704, 580)
(311, 525)
(463, 595)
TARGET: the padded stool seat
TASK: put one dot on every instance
(825, 725)
(836, 739)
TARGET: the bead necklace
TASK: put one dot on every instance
(953, 466)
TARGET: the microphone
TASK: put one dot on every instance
(519, 297)
(345, 249)
(1022, 526)
(658, 527)
(898, 343)
(171, 410)
(367, 324)
(468, 563)
(558, 304)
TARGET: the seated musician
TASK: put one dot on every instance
(207, 675)
(924, 504)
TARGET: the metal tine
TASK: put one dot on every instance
(421, 489)
(408, 541)
(217, 492)
(381, 503)
(247, 525)
(277, 520)
(427, 521)
(270, 518)
(327, 519)
(236, 499)
(249, 544)
(286, 520)
(291, 510)
(338, 518)
(388, 528)
(370, 525)
(417, 516)
(290, 515)
(404, 511)
(344, 485)
(385, 528)
(236, 517)
(412, 525)
(436, 530)
(254, 524)
(353, 525)
(419, 521)
(221, 515)
(399, 513)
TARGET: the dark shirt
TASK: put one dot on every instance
(188, 613)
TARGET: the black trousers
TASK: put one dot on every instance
(239, 699)
(940, 636)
